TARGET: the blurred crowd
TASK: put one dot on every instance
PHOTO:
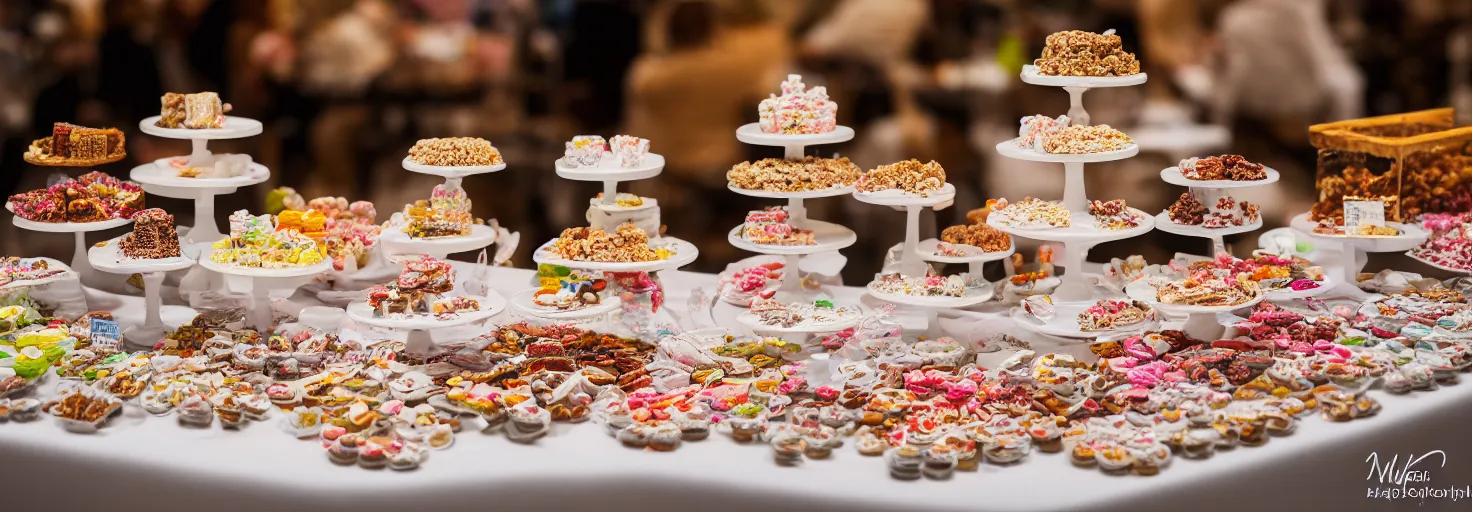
(344, 87)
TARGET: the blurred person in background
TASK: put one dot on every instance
(707, 65)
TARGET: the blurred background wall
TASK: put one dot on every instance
(346, 86)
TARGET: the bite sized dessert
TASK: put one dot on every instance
(1114, 215)
(1272, 272)
(1225, 167)
(1110, 314)
(255, 242)
(455, 152)
(445, 214)
(625, 245)
(804, 174)
(194, 111)
(78, 146)
(415, 289)
(91, 197)
(740, 287)
(1035, 129)
(566, 289)
(909, 176)
(798, 110)
(988, 238)
(25, 269)
(447, 308)
(629, 150)
(1080, 53)
(153, 236)
(592, 151)
(1206, 289)
(351, 229)
(584, 151)
(771, 227)
(1187, 210)
(1449, 245)
(1029, 213)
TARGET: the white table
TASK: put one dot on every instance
(141, 462)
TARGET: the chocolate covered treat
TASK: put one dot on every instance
(153, 236)
(77, 146)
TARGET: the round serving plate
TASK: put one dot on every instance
(235, 270)
(1410, 236)
(233, 128)
(609, 170)
(490, 305)
(451, 171)
(162, 174)
(522, 302)
(108, 257)
(1030, 75)
(752, 133)
(1325, 286)
(806, 194)
(895, 197)
(396, 242)
(1080, 229)
(64, 227)
(66, 273)
(928, 247)
(684, 254)
(753, 322)
(830, 237)
(982, 294)
(1163, 223)
(1143, 291)
(1010, 149)
(1173, 176)
(1064, 323)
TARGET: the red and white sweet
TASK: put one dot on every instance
(771, 227)
(798, 110)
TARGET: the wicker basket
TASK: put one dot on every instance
(1419, 162)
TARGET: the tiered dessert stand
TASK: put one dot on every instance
(108, 257)
(1201, 321)
(912, 262)
(263, 281)
(610, 174)
(397, 243)
(162, 178)
(1081, 235)
(419, 340)
(1356, 248)
(1209, 190)
(830, 236)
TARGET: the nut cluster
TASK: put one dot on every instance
(1078, 140)
(909, 176)
(1080, 53)
(455, 151)
(800, 175)
(989, 239)
(625, 245)
(1225, 167)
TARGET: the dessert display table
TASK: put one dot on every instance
(259, 467)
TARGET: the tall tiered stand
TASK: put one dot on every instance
(161, 177)
(830, 236)
(1074, 293)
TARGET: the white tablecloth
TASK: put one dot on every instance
(139, 462)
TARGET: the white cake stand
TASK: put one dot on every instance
(609, 172)
(1201, 321)
(910, 263)
(931, 306)
(522, 302)
(66, 273)
(162, 179)
(1080, 236)
(1209, 189)
(1077, 86)
(974, 258)
(451, 171)
(1325, 286)
(1356, 248)
(419, 326)
(108, 257)
(1064, 323)
(830, 236)
(79, 230)
(203, 192)
(753, 322)
(263, 280)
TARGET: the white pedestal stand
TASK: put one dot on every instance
(1207, 191)
(108, 258)
(830, 237)
(397, 243)
(1201, 321)
(263, 281)
(419, 340)
(1356, 248)
(80, 264)
(161, 178)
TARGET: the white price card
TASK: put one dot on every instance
(1363, 213)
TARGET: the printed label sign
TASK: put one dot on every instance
(106, 333)
(1363, 213)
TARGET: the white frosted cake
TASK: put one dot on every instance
(642, 212)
